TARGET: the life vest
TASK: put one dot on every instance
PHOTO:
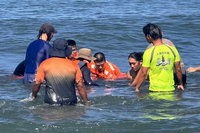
(110, 71)
(76, 54)
(74, 59)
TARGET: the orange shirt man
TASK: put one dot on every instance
(102, 69)
(61, 76)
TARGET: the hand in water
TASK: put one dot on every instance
(136, 90)
(191, 69)
(131, 84)
(180, 87)
(88, 103)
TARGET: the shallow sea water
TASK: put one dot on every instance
(115, 28)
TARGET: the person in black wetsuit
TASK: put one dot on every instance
(84, 57)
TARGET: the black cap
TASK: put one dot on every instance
(60, 48)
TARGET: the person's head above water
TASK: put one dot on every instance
(135, 60)
(60, 48)
(72, 45)
(99, 57)
(100, 60)
(152, 32)
(47, 29)
(85, 54)
(136, 55)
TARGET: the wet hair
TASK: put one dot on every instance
(153, 30)
(71, 43)
(48, 29)
(136, 55)
(99, 57)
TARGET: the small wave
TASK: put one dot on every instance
(27, 99)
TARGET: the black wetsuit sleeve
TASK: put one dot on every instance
(20, 69)
(86, 76)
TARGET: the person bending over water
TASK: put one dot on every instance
(183, 70)
(159, 60)
(102, 69)
(135, 62)
(83, 59)
(136, 58)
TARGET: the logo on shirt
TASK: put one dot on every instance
(163, 62)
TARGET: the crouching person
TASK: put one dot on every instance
(102, 69)
(83, 59)
(61, 76)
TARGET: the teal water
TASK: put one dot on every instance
(115, 28)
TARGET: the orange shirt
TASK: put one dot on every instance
(110, 71)
(58, 68)
(60, 75)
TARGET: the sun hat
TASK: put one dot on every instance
(85, 53)
(60, 48)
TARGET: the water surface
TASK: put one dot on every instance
(115, 28)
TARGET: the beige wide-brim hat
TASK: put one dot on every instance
(85, 53)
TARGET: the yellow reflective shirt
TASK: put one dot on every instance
(160, 60)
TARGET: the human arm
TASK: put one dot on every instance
(35, 89)
(178, 69)
(82, 91)
(179, 74)
(141, 77)
(86, 75)
(136, 79)
(193, 69)
(129, 77)
(80, 84)
(39, 79)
